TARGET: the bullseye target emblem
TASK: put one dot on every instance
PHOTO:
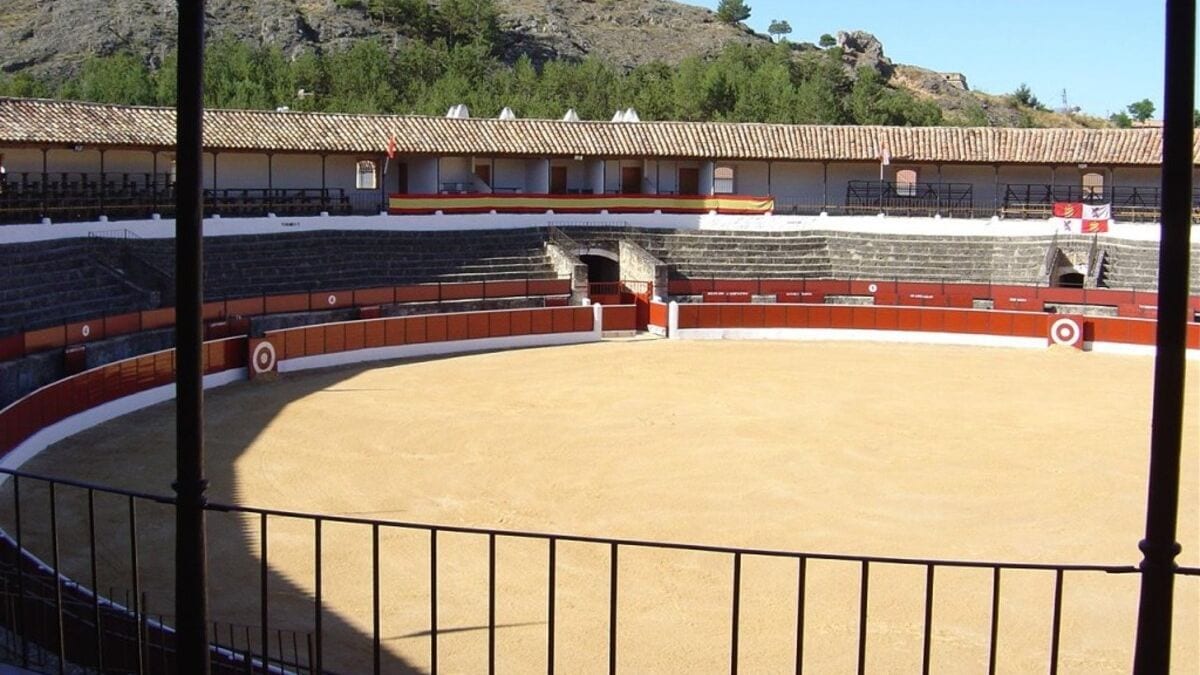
(872, 288)
(1065, 332)
(332, 300)
(86, 330)
(263, 358)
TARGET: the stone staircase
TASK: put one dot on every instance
(692, 254)
(934, 258)
(48, 283)
(1134, 264)
(239, 266)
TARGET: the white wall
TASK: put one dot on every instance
(509, 173)
(537, 176)
(706, 177)
(241, 170)
(422, 175)
(981, 178)
(750, 178)
(165, 229)
(1136, 177)
(22, 160)
(455, 170)
(840, 175)
(296, 171)
(1024, 174)
(578, 177)
(131, 161)
(596, 175)
(797, 182)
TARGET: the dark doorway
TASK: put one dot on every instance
(689, 181)
(631, 180)
(601, 269)
(401, 178)
(1070, 280)
(558, 180)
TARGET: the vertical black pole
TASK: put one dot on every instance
(191, 568)
(1159, 548)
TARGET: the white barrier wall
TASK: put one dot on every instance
(216, 227)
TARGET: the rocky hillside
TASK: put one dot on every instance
(52, 37)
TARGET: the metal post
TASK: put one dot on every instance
(191, 567)
(103, 181)
(1159, 548)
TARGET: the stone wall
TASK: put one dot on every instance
(567, 264)
(637, 264)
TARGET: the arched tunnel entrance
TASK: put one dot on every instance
(601, 268)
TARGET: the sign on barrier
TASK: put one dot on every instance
(1066, 330)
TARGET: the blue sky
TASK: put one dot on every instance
(1105, 53)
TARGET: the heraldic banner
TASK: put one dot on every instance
(1084, 218)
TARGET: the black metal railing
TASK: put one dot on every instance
(909, 199)
(258, 202)
(29, 197)
(1129, 203)
(254, 649)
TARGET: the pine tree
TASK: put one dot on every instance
(733, 11)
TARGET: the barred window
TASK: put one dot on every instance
(1093, 184)
(723, 180)
(906, 182)
(365, 175)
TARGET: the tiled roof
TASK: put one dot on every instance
(30, 121)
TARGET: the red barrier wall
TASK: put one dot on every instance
(56, 337)
(332, 338)
(620, 317)
(872, 317)
(72, 395)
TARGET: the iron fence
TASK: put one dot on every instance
(70, 610)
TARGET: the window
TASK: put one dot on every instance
(723, 180)
(365, 175)
(1093, 185)
(906, 182)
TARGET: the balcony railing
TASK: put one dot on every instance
(29, 197)
(1129, 203)
(909, 199)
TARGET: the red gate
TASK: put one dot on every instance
(637, 293)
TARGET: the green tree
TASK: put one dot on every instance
(1141, 110)
(1023, 96)
(779, 29)
(120, 78)
(1120, 120)
(23, 85)
(827, 40)
(237, 75)
(467, 21)
(365, 81)
(733, 11)
(412, 17)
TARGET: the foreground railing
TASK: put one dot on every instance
(47, 532)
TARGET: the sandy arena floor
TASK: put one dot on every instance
(918, 451)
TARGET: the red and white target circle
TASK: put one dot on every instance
(1065, 332)
(263, 358)
(872, 288)
(332, 299)
(86, 330)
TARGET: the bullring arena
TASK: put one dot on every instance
(832, 447)
(714, 406)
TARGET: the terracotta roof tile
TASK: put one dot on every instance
(33, 121)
